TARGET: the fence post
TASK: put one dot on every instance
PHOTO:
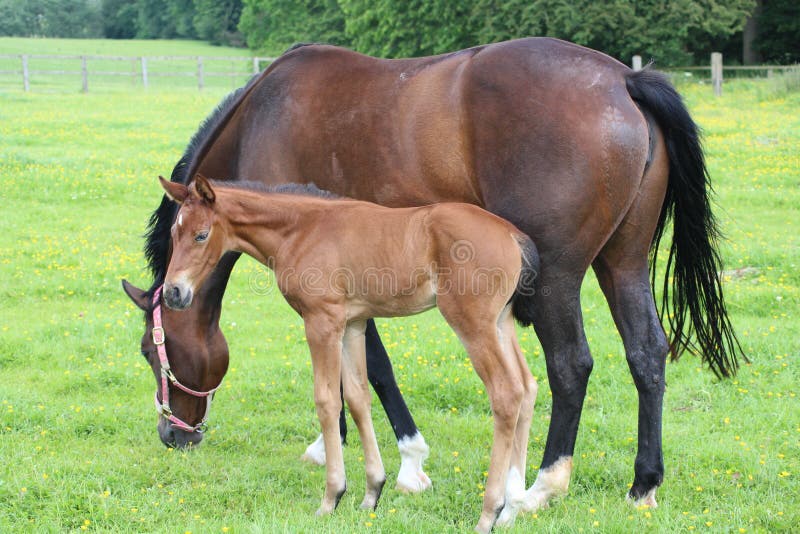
(716, 72)
(133, 72)
(255, 65)
(84, 75)
(200, 72)
(144, 72)
(637, 63)
(25, 76)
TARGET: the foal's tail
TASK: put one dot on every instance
(692, 296)
(522, 301)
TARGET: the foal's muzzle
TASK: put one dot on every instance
(177, 296)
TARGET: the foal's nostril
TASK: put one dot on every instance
(176, 294)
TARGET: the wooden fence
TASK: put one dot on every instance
(144, 70)
(717, 68)
(141, 69)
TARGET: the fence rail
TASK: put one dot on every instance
(143, 68)
(717, 68)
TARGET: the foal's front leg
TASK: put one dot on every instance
(359, 400)
(324, 335)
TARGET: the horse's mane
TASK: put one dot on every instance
(156, 247)
(308, 190)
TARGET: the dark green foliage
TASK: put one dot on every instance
(119, 19)
(51, 18)
(778, 38)
(216, 20)
(274, 25)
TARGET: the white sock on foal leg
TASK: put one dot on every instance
(515, 498)
(413, 452)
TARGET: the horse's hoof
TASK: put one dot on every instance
(315, 453)
(647, 500)
(413, 482)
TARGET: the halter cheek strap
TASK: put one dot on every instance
(167, 377)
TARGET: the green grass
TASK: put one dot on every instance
(218, 74)
(77, 426)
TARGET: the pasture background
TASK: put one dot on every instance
(78, 446)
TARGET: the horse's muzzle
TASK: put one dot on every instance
(175, 438)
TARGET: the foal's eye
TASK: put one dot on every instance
(202, 236)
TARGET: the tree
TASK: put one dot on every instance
(119, 19)
(216, 20)
(272, 26)
(778, 39)
(51, 18)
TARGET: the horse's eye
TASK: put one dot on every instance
(202, 236)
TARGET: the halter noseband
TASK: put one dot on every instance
(168, 377)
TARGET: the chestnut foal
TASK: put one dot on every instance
(339, 262)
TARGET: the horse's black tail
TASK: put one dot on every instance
(692, 297)
(522, 302)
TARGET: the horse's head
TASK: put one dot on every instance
(197, 240)
(197, 362)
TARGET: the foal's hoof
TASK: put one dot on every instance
(315, 453)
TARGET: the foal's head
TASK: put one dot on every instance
(198, 239)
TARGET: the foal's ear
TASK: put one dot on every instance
(203, 187)
(175, 191)
(138, 296)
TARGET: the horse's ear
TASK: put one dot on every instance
(138, 296)
(175, 191)
(203, 187)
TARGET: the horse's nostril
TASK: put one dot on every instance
(176, 293)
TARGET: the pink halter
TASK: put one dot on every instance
(167, 377)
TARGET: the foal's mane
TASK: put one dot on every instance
(307, 190)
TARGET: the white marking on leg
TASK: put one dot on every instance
(648, 499)
(550, 482)
(413, 452)
(315, 453)
(515, 498)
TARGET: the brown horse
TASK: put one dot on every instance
(589, 158)
(475, 267)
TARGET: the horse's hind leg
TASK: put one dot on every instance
(622, 270)
(413, 449)
(559, 326)
(359, 400)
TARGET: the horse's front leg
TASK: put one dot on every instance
(413, 449)
(359, 400)
(324, 333)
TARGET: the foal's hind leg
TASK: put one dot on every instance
(515, 484)
(359, 399)
(500, 374)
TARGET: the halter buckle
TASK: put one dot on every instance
(158, 335)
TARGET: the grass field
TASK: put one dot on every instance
(78, 442)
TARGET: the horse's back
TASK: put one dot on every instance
(517, 127)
